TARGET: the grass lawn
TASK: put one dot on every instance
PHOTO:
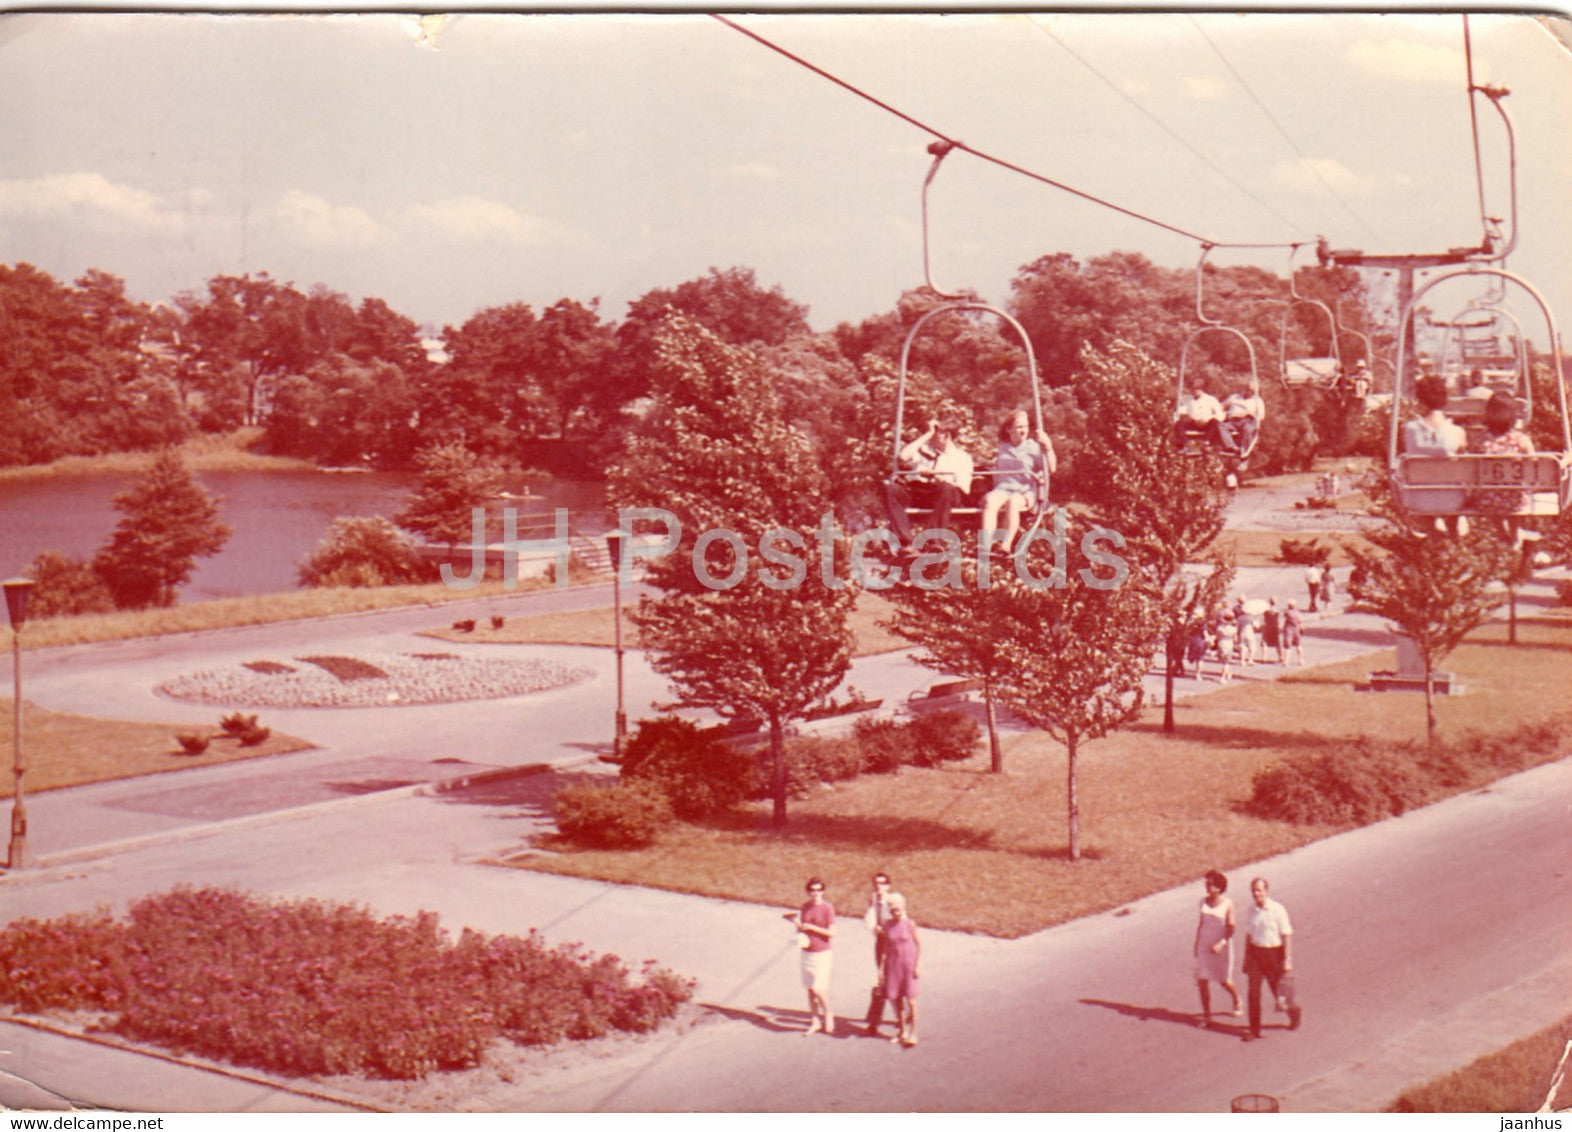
(594, 627)
(69, 750)
(257, 609)
(1515, 1079)
(1156, 811)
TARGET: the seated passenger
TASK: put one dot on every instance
(1474, 386)
(1433, 433)
(1199, 416)
(1242, 417)
(1503, 438)
(1023, 467)
(940, 478)
(1360, 380)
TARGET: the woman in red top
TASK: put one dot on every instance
(816, 921)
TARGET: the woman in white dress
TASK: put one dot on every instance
(1214, 946)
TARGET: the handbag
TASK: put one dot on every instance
(803, 941)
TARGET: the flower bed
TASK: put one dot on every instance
(403, 678)
(312, 988)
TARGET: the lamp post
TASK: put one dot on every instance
(17, 591)
(614, 544)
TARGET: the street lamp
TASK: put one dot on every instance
(614, 544)
(17, 591)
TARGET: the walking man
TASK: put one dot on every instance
(1269, 956)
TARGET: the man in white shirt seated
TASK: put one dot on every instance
(1242, 417)
(940, 477)
(1199, 415)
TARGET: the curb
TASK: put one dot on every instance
(212, 829)
(171, 1059)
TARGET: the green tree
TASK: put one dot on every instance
(66, 587)
(1168, 506)
(743, 639)
(1430, 587)
(363, 552)
(169, 522)
(453, 482)
(1076, 653)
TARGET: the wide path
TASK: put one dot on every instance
(1424, 941)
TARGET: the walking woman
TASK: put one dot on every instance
(816, 921)
(902, 955)
(1214, 946)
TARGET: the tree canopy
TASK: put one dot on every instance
(745, 624)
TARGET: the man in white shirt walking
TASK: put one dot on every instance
(1268, 955)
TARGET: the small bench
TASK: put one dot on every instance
(946, 689)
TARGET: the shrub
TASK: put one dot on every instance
(361, 553)
(1367, 780)
(700, 775)
(66, 587)
(1564, 592)
(74, 963)
(497, 621)
(192, 744)
(316, 988)
(628, 815)
(1303, 552)
(254, 736)
(237, 723)
(942, 736)
(882, 743)
(1357, 784)
(465, 626)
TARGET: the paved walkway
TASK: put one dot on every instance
(1060, 1021)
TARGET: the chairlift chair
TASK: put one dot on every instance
(1315, 372)
(1477, 483)
(1193, 444)
(958, 303)
(1498, 370)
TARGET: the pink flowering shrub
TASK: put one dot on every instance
(312, 988)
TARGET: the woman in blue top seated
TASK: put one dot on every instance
(1021, 478)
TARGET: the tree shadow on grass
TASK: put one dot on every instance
(857, 832)
(1187, 1019)
(1242, 738)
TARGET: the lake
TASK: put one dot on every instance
(276, 519)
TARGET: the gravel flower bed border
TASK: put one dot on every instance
(405, 678)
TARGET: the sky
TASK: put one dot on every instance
(505, 158)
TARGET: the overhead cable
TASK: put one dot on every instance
(1278, 126)
(988, 157)
(1160, 124)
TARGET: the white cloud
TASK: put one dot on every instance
(320, 222)
(477, 219)
(1315, 176)
(1202, 89)
(88, 197)
(1408, 61)
(753, 171)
